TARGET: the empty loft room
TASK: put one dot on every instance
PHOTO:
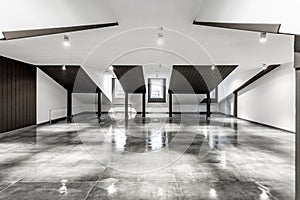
(150, 99)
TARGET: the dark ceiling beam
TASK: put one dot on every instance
(257, 76)
(268, 28)
(198, 79)
(73, 79)
(12, 35)
(131, 77)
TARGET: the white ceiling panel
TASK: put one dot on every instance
(36, 14)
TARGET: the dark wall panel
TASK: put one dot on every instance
(5, 94)
(18, 94)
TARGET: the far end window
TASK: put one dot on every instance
(156, 90)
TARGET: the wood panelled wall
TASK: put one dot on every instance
(18, 94)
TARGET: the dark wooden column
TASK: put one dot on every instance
(126, 106)
(69, 106)
(144, 105)
(170, 104)
(99, 104)
(235, 104)
(208, 106)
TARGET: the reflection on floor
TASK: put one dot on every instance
(185, 158)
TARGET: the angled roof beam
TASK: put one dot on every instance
(19, 34)
(268, 28)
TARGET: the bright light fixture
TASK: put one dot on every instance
(160, 37)
(213, 67)
(212, 193)
(64, 68)
(111, 68)
(265, 66)
(263, 37)
(66, 41)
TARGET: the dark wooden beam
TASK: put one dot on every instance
(235, 104)
(74, 78)
(268, 28)
(126, 106)
(69, 106)
(12, 35)
(198, 79)
(131, 77)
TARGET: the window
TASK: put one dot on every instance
(157, 90)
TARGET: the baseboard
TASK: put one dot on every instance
(265, 125)
(227, 115)
(179, 113)
(152, 113)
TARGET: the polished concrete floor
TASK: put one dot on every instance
(186, 158)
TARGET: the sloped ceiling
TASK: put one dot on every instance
(135, 37)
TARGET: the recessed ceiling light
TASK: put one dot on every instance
(111, 68)
(64, 68)
(66, 41)
(212, 193)
(263, 37)
(213, 67)
(265, 66)
(160, 37)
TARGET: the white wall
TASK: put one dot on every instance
(271, 99)
(89, 103)
(49, 95)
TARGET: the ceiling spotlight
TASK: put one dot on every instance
(66, 41)
(265, 66)
(111, 68)
(263, 37)
(213, 67)
(64, 68)
(160, 38)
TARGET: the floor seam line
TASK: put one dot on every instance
(10, 185)
(91, 189)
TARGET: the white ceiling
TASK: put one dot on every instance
(33, 14)
(284, 12)
(134, 41)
